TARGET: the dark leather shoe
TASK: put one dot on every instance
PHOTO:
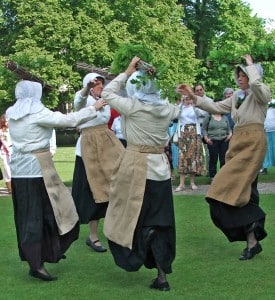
(249, 253)
(42, 276)
(94, 246)
(161, 286)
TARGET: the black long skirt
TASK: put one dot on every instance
(86, 206)
(235, 222)
(37, 233)
(157, 212)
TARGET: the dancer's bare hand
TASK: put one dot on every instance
(132, 66)
(99, 104)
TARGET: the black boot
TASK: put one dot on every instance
(249, 253)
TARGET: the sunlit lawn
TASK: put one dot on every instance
(206, 264)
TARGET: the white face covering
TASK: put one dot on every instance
(147, 93)
(28, 100)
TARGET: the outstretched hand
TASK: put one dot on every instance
(185, 89)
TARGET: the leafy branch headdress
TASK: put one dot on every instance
(124, 55)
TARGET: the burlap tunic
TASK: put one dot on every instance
(233, 196)
(100, 149)
(60, 197)
(145, 128)
(232, 184)
(127, 192)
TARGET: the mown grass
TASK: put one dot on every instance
(206, 264)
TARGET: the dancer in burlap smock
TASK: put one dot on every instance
(139, 222)
(97, 150)
(45, 216)
(233, 195)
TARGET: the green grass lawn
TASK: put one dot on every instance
(206, 264)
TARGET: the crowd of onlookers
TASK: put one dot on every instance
(215, 131)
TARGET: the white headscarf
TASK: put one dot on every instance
(147, 93)
(28, 100)
(91, 76)
(243, 68)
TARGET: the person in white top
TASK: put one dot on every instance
(97, 150)
(190, 145)
(5, 150)
(269, 127)
(45, 216)
(116, 127)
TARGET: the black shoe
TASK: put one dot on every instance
(94, 246)
(39, 275)
(161, 286)
(249, 253)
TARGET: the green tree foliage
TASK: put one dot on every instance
(224, 31)
(156, 24)
(195, 40)
(48, 38)
(202, 18)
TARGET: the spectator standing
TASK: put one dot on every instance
(217, 134)
(190, 145)
(6, 149)
(227, 93)
(174, 148)
(200, 91)
(269, 126)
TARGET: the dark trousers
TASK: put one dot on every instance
(216, 151)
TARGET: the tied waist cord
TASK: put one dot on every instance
(146, 149)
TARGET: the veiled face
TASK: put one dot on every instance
(242, 80)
